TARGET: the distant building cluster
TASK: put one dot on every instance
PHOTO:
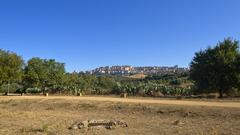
(124, 70)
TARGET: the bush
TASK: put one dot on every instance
(33, 90)
(12, 88)
(233, 93)
(175, 82)
(142, 92)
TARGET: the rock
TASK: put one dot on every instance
(74, 127)
(108, 124)
(85, 123)
(178, 122)
(122, 124)
(109, 127)
(80, 126)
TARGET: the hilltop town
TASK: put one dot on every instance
(126, 69)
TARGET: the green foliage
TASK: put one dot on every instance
(12, 88)
(33, 90)
(35, 73)
(105, 85)
(11, 66)
(175, 82)
(74, 82)
(217, 69)
(150, 85)
(42, 73)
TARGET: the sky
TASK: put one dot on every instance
(85, 34)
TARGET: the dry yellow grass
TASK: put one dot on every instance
(53, 116)
(220, 103)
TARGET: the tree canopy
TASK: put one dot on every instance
(217, 68)
(44, 73)
(11, 66)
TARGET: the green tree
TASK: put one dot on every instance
(217, 68)
(11, 67)
(35, 73)
(105, 85)
(55, 74)
(42, 73)
(74, 82)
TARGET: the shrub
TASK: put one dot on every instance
(12, 88)
(33, 90)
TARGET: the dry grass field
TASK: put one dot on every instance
(54, 115)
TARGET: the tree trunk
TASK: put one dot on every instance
(43, 90)
(220, 93)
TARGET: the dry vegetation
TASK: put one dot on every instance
(138, 76)
(53, 116)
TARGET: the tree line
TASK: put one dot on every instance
(216, 69)
(47, 75)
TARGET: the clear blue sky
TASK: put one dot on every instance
(89, 33)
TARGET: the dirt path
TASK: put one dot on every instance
(131, 100)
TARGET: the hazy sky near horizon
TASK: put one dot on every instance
(86, 34)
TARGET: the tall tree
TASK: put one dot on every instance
(217, 68)
(35, 73)
(42, 73)
(11, 67)
(55, 73)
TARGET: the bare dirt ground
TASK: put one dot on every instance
(53, 115)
